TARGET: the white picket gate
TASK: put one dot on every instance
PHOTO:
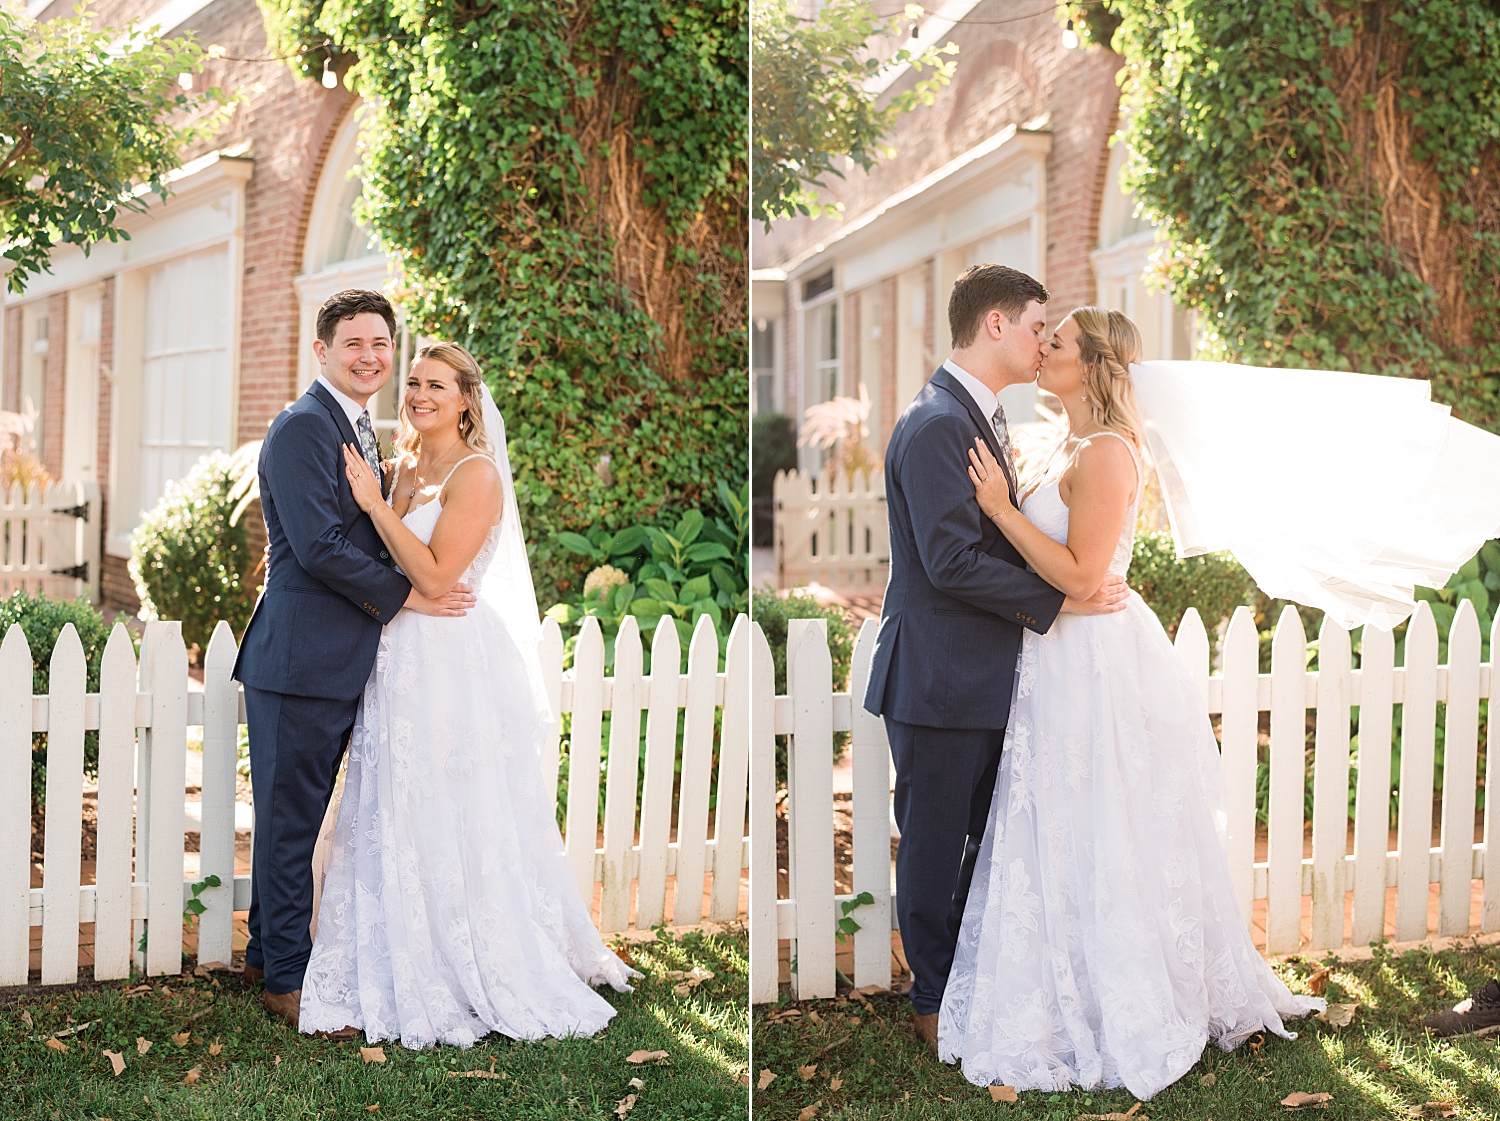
(49, 541)
(811, 712)
(141, 782)
(831, 530)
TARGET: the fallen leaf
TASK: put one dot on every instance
(451, 1073)
(808, 1071)
(372, 1054)
(58, 1045)
(835, 1083)
(645, 1056)
(26, 1018)
(142, 1044)
(944, 1098)
(215, 1047)
(200, 972)
(373, 1108)
(117, 1061)
(1337, 1015)
(1442, 1109)
(814, 1017)
(854, 1021)
(191, 1076)
(276, 1061)
(766, 1078)
(1004, 1094)
(1299, 1098)
(1318, 982)
(624, 1105)
(200, 1015)
(216, 967)
(181, 1038)
(742, 1080)
(1382, 1065)
(166, 991)
(809, 1112)
(874, 990)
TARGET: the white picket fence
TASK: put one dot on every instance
(143, 713)
(830, 530)
(49, 541)
(811, 712)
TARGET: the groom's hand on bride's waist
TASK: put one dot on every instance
(1110, 598)
(451, 604)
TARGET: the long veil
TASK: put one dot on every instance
(1337, 490)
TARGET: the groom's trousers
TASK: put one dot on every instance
(945, 778)
(295, 747)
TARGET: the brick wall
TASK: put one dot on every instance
(10, 387)
(54, 392)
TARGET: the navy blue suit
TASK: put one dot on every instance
(945, 657)
(304, 660)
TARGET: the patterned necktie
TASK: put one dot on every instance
(1007, 457)
(368, 445)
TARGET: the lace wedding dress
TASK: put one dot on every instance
(449, 910)
(1101, 944)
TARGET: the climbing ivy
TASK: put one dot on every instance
(564, 187)
(1327, 174)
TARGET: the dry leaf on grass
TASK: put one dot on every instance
(814, 1017)
(1208, 1080)
(142, 1044)
(1318, 982)
(835, 1083)
(215, 1047)
(1128, 1115)
(1442, 1109)
(191, 1076)
(57, 1045)
(462, 1073)
(624, 1105)
(808, 1071)
(275, 1060)
(766, 1078)
(1004, 1094)
(854, 1021)
(373, 1108)
(117, 1061)
(26, 1018)
(1337, 1015)
(181, 1038)
(809, 1111)
(372, 1054)
(1299, 1098)
(646, 1057)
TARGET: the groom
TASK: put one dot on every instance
(950, 625)
(310, 644)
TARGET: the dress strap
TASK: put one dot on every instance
(460, 463)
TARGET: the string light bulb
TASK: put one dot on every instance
(330, 79)
(1070, 37)
(185, 80)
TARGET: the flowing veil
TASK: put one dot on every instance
(1338, 490)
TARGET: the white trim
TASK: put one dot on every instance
(170, 16)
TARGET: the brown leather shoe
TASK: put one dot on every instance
(253, 976)
(343, 1035)
(286, 1005)
(927, 1029)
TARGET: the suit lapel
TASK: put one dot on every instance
(946, 381)
(319, 393)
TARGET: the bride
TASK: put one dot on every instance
(1101, 944)
(449, 910)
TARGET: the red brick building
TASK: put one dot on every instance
(149, 353)
(1012, 163)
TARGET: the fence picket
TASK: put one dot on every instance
(734, 747)
(1239, 731)
(1284, 817)
(112, 868)
(63, 847)
(550, 651)
(1460, 761)
(697, 770)
(1372, 797)
(168, 747)
(763, 890)
(661, 755)
(1414, 824)
(1489, 915)
(221, 715)
(810, 808)
(871, 763)
(1191, 645)
(620, 781)
(1330, 825)
(15, 807)
(583, 754)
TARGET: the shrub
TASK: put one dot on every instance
(42, 620)
(189, 562)
(1214, 583)
(773, 448)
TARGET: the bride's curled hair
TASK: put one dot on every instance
(1108, 342)
(470, 384)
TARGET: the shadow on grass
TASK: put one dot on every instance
(265, 1070)
(869, 1064)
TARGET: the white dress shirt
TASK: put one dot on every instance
(983, 396)
(352, 408)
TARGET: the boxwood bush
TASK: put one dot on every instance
(1214, 583)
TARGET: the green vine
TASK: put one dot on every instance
(1327, 174)
(564, 188)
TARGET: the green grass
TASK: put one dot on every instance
(887, 1074)
(704, 1032)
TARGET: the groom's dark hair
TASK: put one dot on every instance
(349, 303)
(981, 289)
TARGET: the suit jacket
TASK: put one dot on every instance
(959, 592)
(330, 584)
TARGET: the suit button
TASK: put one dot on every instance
(384, 555)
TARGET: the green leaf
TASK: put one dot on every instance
(628, 540)
(688, 527)
(662, 591)
(696, 588)
(706, 551)
(577, 543)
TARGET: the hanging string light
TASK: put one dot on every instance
(185, 80)
(330, 79)
(1070, 37)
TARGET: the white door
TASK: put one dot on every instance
(186, 404)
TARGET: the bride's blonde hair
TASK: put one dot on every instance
(1108, 342)
(470, 385)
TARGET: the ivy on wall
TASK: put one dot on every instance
(564, 186)
(1327, 173)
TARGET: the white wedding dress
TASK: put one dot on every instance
(1101, 944)
(449, 910)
